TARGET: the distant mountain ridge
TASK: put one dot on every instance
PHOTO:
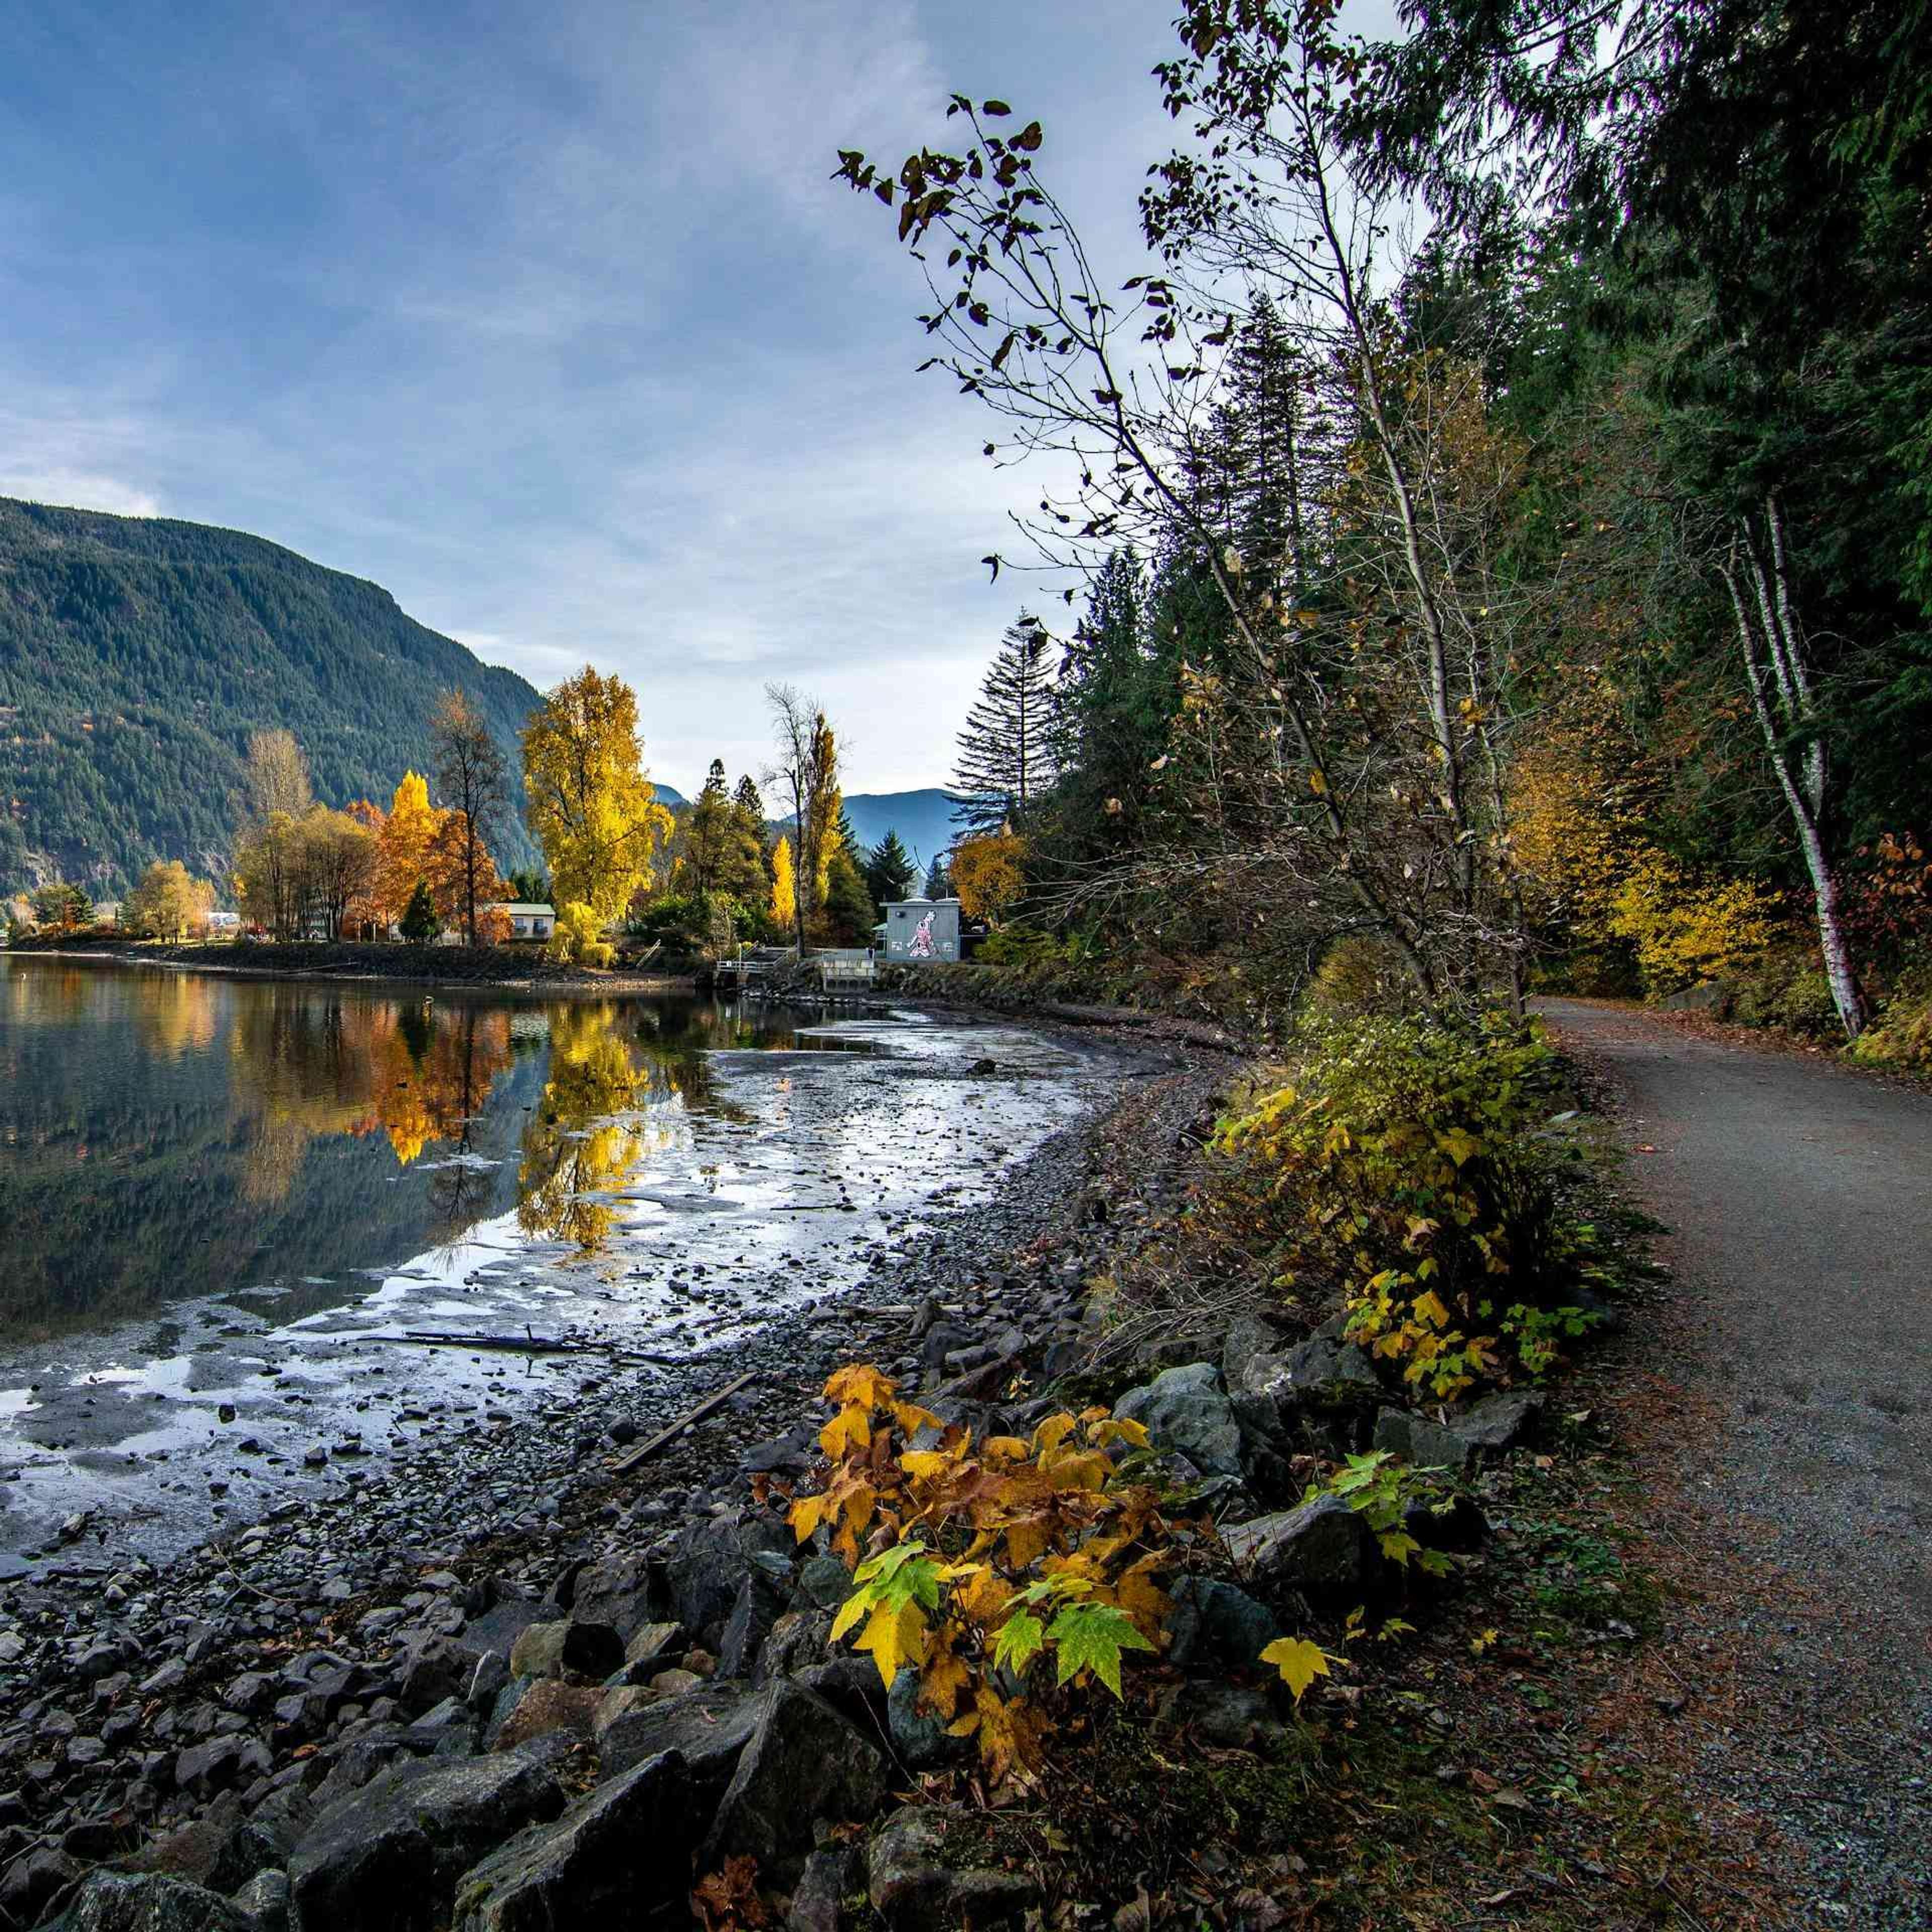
(136, 655)
(923, 820)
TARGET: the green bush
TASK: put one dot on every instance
(1901, 1035)
(1406, 1159)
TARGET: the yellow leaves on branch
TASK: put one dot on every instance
(987, 1555)
(987, 873)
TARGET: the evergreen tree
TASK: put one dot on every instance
(889, 870)
(713, 821)
(1004, 761)
(849, 910)
(938, 878)
(420, 922)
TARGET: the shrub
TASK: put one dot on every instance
(578, 933)
(1901, 1037)
(1405, 1159)
(1686, 929)
(991, 1561)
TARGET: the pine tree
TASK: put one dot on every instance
(1005, 763)
(889, 870)
(938, 879)
(419, 918)
(713, 822)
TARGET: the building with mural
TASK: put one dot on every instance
(922, 929)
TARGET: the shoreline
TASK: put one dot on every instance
(579, 980)
(135, 1717)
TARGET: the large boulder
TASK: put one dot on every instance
(571, 1648)
(387, 1858)
(622, 1591)
(706, 1728)
(1323, 1546)
(1463, 1438)
(921, 1876)
(1187, 1409)
(804, 1762)
(1212, 1622)
(611, 1858)
(708, 1564)
(147, 1902)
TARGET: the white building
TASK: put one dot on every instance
(527, 921)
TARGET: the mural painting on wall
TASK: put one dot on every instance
(922, 939)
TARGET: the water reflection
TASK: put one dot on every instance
(164, 1135)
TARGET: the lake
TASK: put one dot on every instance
(224, 1202)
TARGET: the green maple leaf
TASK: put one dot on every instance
(1091, 1637)
(1021, 1638)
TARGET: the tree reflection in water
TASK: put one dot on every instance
(609, 1101)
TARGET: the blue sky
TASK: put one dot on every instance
(546, 317)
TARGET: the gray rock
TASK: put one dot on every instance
(919, 1738)
(263, 1902)
(1247, 1337)
(825, 1582)
(708, 1728)
(920, 1878)
(1212, 1622)
(710, 1561)
(618, 1591)
(1187, 1409)
(32, 1882)
(1320, 1373)
(576, 1648)
(147, 1902)
(1464, 1438)
(1230, 1716)
(609, 1860)
(649, 1642)
(761, 1601)
(387, 1858)
(1322, 1545)
(804, 1762)
(831, 1876)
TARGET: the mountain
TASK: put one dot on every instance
(923, 819)
(136, 655)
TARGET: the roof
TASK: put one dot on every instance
(513, 907)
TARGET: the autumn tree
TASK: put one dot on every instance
(783, 902)
(61, 906)
(337, 859)
(462, 876)
(988, 873)
(471, 775)
(807, 766)
(591, 806)
(275, 776)
(168, 904)
(1004, 759)
(407, 834)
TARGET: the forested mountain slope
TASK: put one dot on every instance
(136, 655)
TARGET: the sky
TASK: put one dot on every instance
(546, 315)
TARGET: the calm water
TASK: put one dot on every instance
(164, 1135)
(226, 1204)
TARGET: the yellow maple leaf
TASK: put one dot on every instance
(805, 1516)
(859, 1384)
(852, 1425)
(941, 1681)
(1299, 1661)
(1054, 1431)
(896, 1638)
(923, 1465)
(1429, 1306)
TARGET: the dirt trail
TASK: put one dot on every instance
(1798, 1199)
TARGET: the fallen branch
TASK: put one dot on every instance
(646, 1449)
(528, 1344)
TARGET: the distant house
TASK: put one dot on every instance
(923, 929)
(526, 921)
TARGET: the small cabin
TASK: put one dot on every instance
(527, 921)
(919, 929)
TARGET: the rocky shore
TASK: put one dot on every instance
(528, 1680)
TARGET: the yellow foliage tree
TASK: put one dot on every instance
(1685, 928)
(784, 893)
(988, 873)
(403, 845)
(591, 806)
(167, 903)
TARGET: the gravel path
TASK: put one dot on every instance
(1798, 1199)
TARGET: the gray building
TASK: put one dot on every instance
(923, 929)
